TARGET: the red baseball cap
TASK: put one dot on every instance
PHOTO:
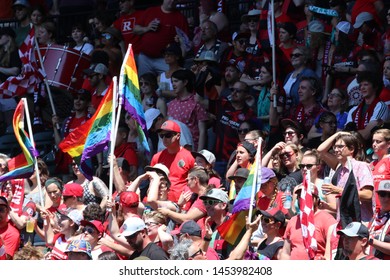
(170, 125)
(129, 199)
(73, 189)
(95, 223)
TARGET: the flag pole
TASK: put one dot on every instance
(122, 85)
(45, 78)
(273, 50)
(33, 144)
(113, 137)
(256, 177)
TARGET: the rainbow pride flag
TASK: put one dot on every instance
(130, 97)
(233, 229)
(92, 137)
(21, 166)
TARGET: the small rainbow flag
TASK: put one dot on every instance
(92, 137)
(130, 97)
(233, 229)
(21, 166)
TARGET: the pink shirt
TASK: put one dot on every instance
(363, 177)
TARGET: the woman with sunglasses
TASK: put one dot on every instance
(300, 60)
(344, 153)
(150, 98)
(380, 165)
(94, 232)
(310, 162)
(272, 222)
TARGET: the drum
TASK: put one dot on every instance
(64, 66)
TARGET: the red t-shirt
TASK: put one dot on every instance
(126, 150)
(178, 164)
(11, 239)
(322, 221)
(380, 171)
(126, 25)
(153, 43)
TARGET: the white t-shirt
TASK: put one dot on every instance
(86, 48)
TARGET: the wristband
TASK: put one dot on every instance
(206, 239)
(370, 241)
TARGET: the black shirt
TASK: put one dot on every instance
(151, 251)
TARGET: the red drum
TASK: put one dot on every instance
(64, 66)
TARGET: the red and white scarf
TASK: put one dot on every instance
(362, 121)
(307, 218)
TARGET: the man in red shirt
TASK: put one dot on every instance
(175, 157)
(126, 23)
(9, 235)
(158, 26)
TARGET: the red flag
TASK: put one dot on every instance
(31, 74)
(307, 218)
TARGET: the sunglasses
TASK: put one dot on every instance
(167, 135)
(211, 202)
(89, 230)
(289, 133)
(197, 253)
(307, 166)
(106, 36)
(296, 55)
(286, 154)
(253, 20)
(243, 131)
(384, 194)
(267, 220)
(3, 209)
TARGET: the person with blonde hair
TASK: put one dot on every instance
(380, 165)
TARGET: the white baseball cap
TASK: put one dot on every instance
(132, 225)
(150, 115)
